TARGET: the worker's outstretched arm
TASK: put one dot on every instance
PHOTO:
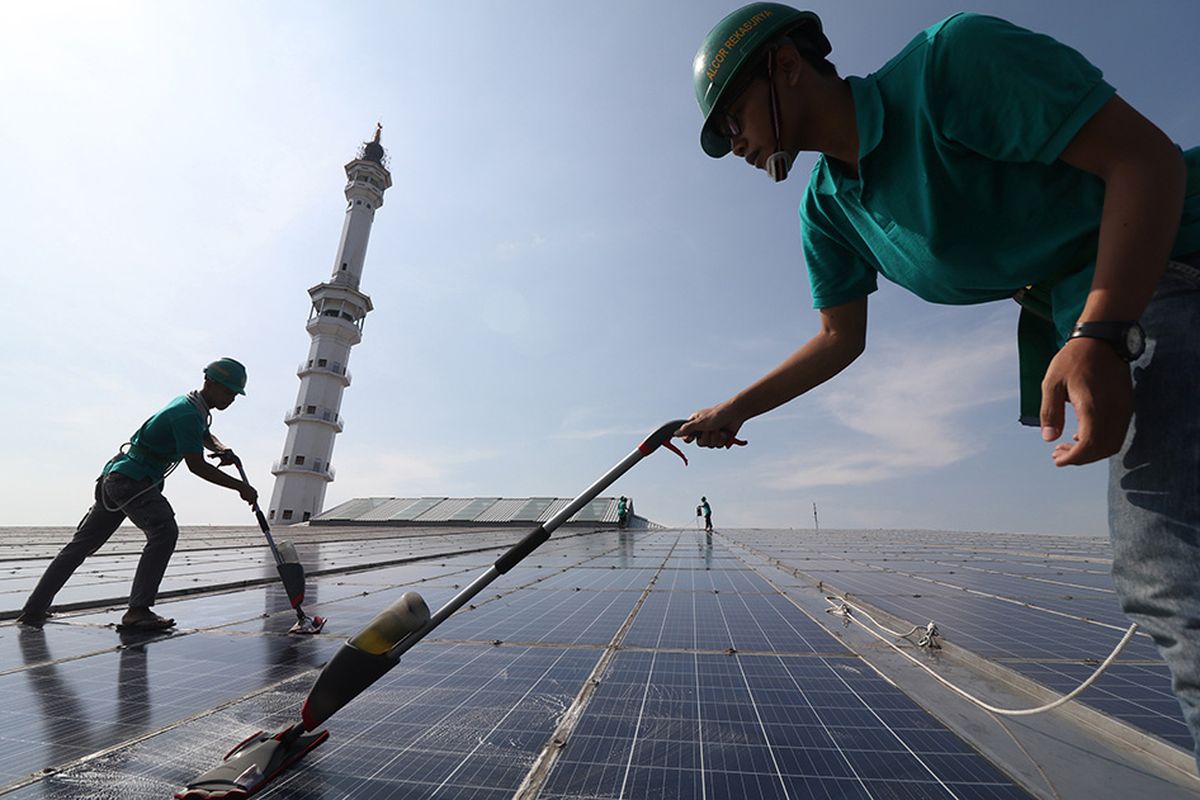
(842, 338)
(201, 469)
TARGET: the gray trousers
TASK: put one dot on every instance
(147, 508)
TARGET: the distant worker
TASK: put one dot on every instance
(705, 509)
(623, 513)
(130, 485)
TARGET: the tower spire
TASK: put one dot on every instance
(335, 323)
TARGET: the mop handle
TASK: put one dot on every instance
(537, 536)
(262, 521)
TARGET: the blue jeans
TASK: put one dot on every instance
(1154, 487)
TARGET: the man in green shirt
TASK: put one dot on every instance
(984, 162)
(130, 485)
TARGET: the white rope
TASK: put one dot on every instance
(1011, 712)
(844, 611)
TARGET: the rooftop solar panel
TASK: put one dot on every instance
(473, 509)
(352, 509)
(556, 505)
(502, 510)
(384, 511)
(602, 509)
(443, 511)
(746, 726)
(532, 510)
(415, 509)
(670, 664)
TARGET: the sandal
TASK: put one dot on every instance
(151, 622)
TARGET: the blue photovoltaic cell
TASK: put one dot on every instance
(60, 711)
(1138, 694)
(711, 621)
(464, 721)
(1051, 616)
(724, 687)
(672, 725)
(530, 615)
(711, 580)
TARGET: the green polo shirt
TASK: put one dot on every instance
(163, 440)
(961, 196)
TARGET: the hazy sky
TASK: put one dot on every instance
(557, 269)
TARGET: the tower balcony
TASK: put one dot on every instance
(326, 416)
(325, 471)
(323, 366)
(347, 330)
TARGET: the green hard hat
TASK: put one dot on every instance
(730, 46)
(229, 373)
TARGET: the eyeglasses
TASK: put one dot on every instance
(728, 125)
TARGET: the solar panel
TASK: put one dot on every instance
(752, 726)
(602, 509)
(443, 511)
(532, 510)
(473, 509)
(502, 510)
(414, 509)
(712, 681)
(352, 509)
(384, 511)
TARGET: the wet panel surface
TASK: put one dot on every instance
(464, 719)
(723, 686)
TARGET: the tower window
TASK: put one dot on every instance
(271, 515)
(307, 514)
(299, 461)
(287, 513)
(310, 409)
(322, 362)
(285, 458)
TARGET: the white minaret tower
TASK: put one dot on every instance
(335, 324)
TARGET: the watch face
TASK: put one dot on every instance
(1135, 340)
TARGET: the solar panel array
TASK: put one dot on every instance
(480, 510)
(608, 664)
(1042, 606)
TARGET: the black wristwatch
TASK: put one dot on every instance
(1127, 338)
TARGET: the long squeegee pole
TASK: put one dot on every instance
(536, 537)
(262, 521)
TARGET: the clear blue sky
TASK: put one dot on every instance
(557, 269)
